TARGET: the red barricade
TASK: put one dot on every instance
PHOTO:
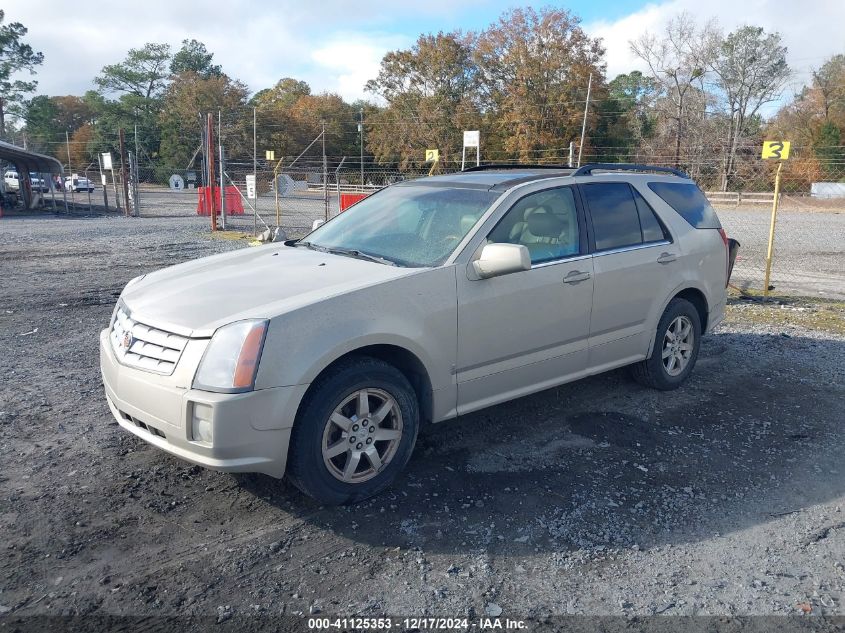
(234, 204)
(348, 199)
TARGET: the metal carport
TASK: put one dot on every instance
(27, 162)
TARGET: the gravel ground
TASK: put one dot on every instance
(600, 497)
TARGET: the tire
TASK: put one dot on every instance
(664, 374)
(329, 418)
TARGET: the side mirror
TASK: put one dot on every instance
(501, 259)
(317, 224)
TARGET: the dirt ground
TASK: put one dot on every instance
(599, 497)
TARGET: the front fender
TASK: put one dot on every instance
(417, 313)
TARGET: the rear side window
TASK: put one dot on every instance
(689, 202)
(616, 222)
(653, 230)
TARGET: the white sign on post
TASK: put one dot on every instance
(107, 161)
(472, 138)
(250, 186)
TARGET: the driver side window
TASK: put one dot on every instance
(545, 222)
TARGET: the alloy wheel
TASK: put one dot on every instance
(678, 344)
(362, 435)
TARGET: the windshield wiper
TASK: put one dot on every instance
(310, 245)
(351, 252)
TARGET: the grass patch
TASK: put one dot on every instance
(823, 315)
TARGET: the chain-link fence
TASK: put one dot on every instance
(808, 249)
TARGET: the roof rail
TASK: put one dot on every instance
(587, 170)
(516, 166)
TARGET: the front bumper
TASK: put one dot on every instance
(250, 431)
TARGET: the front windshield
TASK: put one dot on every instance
(410, 225)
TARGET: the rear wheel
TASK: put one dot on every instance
(675, 348)
(355, 432)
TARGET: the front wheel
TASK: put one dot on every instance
(675, 348)
(355, 432)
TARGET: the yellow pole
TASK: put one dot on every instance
(770, 251)
(276, 189)
(433, 166)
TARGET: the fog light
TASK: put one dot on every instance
(201, 423)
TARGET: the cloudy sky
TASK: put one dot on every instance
(336, 46)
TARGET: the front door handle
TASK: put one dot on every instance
(666, 258)
(576, 276)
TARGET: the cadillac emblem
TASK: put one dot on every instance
(127, 341)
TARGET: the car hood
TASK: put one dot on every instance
(197, 297)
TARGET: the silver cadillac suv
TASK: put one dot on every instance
(320, 358)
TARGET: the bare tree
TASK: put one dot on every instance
(678, 60)
(750, 71)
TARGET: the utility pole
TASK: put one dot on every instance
(571, 161)
(222, 169)
(254, 179)
(135, 174)
(210, 161)
(361, 135)
(104, 181)
(123, 176)
(584, 124)
(69, 170)
(325, 173)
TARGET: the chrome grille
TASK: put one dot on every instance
(148, 348)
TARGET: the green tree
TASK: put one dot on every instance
(49, 118)
(815, 118)
(194, 57)
(143, 73)
(626, 117)
(827, 146)
(41, 115)
(139, 83)
(274, 122)
(284, 94)
(15, 56)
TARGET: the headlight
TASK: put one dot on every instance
(231, 359)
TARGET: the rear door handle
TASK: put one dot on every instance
(666, 258)
(576, 276)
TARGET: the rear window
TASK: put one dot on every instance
(689, 202)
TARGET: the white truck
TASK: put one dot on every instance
(78, 183)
